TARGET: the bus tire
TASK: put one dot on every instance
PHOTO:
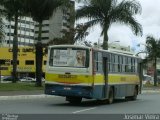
(74, 100)
(110, 99)
(134, 97)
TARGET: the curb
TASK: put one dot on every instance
(24, 97)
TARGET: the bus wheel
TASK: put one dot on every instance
(110, 96)
(74, 100)
(134, 97)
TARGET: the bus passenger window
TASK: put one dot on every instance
(51, 58)
(126, 68)
(98, 62)
(119, 68)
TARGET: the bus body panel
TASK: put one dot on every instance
(70, 81)
(123, 84)
(86, 83)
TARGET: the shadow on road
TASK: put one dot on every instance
(92, 103)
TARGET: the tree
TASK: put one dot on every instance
(106, 12)
(12, 10)
(153, 50)
(41, 10)
(1, 30)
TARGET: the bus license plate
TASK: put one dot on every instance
(67, 76)
(67, 88)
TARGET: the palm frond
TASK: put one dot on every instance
(152, 46)
(123, 14)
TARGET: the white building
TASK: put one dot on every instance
(25, 32)
(28, 29)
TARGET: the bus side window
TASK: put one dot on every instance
(126, 64)
(109, 63)
(116, 63)
(123, 66)
(119, 63)
(98, 62)
(136, 66)
(129, 64)
(132, 65)
(51, 57)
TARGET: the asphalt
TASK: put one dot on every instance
(14, 95)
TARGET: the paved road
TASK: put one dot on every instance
(146, 103)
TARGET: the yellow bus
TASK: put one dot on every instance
(77, 72)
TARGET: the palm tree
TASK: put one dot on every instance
(153, 50)
(14, 9)
(1, 30)
(41, 10)
(106, 12)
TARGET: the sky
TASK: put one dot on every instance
(149, 19)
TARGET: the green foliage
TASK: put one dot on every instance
(152, 47)
(19, 87)
(1, 30)
(106, 12)
(42, 10)
(153, 50)
(12, 7)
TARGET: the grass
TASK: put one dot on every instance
(19, 87)
(151, 85)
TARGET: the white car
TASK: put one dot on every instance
(148, 79)
(42, 79)
(27, 79)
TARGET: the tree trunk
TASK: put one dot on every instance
(39, 58)
(155, 72)
(105, 41)
(15, 49)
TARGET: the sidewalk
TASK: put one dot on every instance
(22, 95)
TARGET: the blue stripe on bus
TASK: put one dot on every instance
(64, 90)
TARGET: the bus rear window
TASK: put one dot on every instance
(69, 57)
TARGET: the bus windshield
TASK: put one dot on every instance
(68, 57)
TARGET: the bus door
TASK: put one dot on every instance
(105, 72)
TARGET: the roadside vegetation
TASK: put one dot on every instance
(153, 51)
(151, 85)
(19, 87)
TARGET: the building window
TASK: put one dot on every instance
(45, 62)
(45, 31)
(29, 62)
